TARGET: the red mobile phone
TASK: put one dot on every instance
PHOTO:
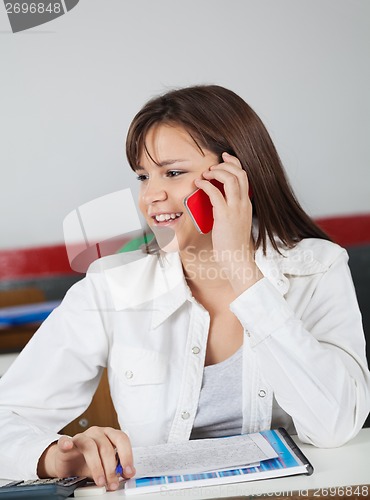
(200, 208)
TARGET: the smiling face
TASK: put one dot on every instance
(166, 171)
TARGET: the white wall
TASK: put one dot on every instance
(69, 89)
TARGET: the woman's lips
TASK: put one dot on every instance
(166, 219)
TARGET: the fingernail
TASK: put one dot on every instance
(128, 470)
(113, 486)
(101, 481)
(67, 443)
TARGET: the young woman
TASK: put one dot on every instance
(250, 326)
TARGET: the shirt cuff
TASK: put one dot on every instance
(261, 310)
(32, 455)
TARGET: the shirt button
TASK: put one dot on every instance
(280, 282)
(185, 415)
(129, 374)
(262, 393)
(195, 350)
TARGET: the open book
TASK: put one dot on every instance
(209, 462)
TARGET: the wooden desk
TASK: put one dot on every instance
(14, 339)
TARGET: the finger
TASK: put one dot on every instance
(88, 447)
(124, 451)
(228, 158)
(107, 453)
(121, 441)
(111, 442)
(69, 456)
(235, 162)
(231, 184)
(240, 173)
(216, 197)
(65, 444)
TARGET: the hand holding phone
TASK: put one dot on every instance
(200, 209)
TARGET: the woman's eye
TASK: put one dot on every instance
(169, 173)
(173, 173)
(142, 177)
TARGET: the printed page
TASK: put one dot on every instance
(200, 455)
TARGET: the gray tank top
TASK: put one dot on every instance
(220, 402)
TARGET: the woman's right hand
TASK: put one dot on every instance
(92, 453)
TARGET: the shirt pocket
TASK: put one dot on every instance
(138, 377)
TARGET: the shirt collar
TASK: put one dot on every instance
(156, 283)
(153, 283)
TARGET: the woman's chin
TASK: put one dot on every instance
(184, 240)
(166, 239)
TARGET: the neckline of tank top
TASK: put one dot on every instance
(226, 362)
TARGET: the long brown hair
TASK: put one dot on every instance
(219, 120)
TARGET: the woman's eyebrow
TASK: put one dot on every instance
(163, 163)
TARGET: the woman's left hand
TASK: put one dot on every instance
(231, 234)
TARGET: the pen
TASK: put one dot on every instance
(119, 469)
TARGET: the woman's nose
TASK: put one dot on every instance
(153, 192)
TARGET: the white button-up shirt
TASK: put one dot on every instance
(303, 353)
